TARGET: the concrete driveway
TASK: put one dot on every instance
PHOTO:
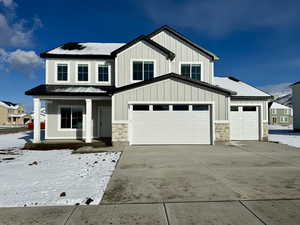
(246, 171)
(246, 183)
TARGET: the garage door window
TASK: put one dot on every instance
(160, 107)
(140, 107)
(180, 107)
(200, 107)
(249, 108)
(234, 108)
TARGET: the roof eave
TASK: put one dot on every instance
(46, 55)
(236, 97)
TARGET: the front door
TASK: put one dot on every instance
(104, 121)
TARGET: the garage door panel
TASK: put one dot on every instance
(244, 125)
(170, 127)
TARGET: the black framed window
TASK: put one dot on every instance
(160, 107)
(192, 71)
(103, 73)
(249, 108)
(234, 108)
(180, 107)
(143, 70)
(200, 107)
(140, 107)
(83, 72)
(62, 72)
(71, 118)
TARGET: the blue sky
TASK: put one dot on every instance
(257, 41)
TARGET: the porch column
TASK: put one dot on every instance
(88, 121)
(36, 118)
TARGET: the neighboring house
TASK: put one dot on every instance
(42, 115)
(157, 89)
(11, 113)
(280, 114)
(296, 105)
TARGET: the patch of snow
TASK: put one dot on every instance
(80, 90)
(276, 105)
(15, 140)
(91, 48)
(240, 87)
(38, 178)
(284, 135)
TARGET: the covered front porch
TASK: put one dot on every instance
(73, 119)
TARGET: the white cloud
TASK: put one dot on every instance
(8, 3)
(218, 18)
(19, 60)
(16, 32)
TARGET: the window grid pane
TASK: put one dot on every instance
(65, 117)
(77, 118)
(103, 73)
(148, 70)
(180, 107)
(83, 72)
(137, 70)
(186, 70)
(62, 72)
(196, 72)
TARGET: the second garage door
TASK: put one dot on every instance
(244, 123)
(170, 124)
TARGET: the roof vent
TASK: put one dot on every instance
(234, 79)
(72, 46)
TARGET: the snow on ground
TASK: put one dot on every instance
(38, 178)
(284, 135)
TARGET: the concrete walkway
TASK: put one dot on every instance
(271, 212)
(246, 183)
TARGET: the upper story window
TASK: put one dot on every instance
(103, 73)
(62, 72)
(286, 111)
(273, 111)
(83, 72)
(191, 70)
(142, 70)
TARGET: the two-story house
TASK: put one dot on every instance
(11, 113)
(280, 114)
(159, 88)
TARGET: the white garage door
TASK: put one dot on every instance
(244, 123)
(170, 124)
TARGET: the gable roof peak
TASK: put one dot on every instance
(183, 38)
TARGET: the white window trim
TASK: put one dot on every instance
(89, 72)
(201, 65)
(62, 62)
(71, 129)
(97, 75)
(141, 60)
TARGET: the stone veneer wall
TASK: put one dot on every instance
(222, 131)
(120, 133)
(265, 132)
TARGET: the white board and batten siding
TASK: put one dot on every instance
(185, 53)
(169, 90)
(139, 51)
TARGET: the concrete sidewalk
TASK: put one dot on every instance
(275, 212)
